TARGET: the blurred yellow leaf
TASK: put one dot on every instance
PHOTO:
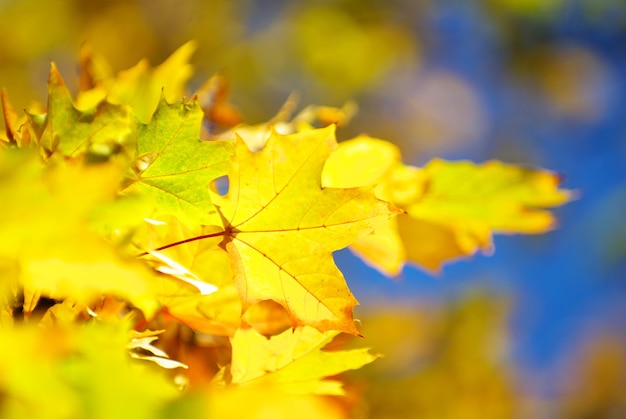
(77, 371)
(261, 402)
(452, 207)
(46, 229)
(141, 86)
(448, 361)
(362, 161)
(346, 54)
(468, 202)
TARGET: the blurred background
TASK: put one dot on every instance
(537, 330)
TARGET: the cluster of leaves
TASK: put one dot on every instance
(131, 216)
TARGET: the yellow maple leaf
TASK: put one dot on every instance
(463, 204)
(293, 360)
(281, 228)
(140, 86)
(194, 265)
(453, 208)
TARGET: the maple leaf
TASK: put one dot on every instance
(463, 203)
(365, 161)
(281, 228)
(217, 312)
(174, 167)
(453, 208)
(202, 263)
(100, 129)
(293, 360)
(141, 86)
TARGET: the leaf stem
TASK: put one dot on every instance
(192, 239)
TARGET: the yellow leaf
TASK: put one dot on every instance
(365, 161)
(453, 207)
(293, 361)
(505, 197)
(362, 161)
(430, 245)
(281, 227)
(46, 229)
(140, 86)
(218, 312)
(78, 371)
(464, 203)
(383, 249)
(269, 402)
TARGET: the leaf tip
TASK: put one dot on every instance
(55, 78)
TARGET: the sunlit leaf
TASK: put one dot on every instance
(71, 132)
(174, 167)
(453, 208)
(77, 371)
(58, 252)
(468, 202)
(141, 86)
(16, 128)
(267, 402)
(281, 228)
(294, 360)
(217, 312)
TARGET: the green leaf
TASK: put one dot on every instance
(99, 130)
(174, 167)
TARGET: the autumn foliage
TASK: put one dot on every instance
(160, 258)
